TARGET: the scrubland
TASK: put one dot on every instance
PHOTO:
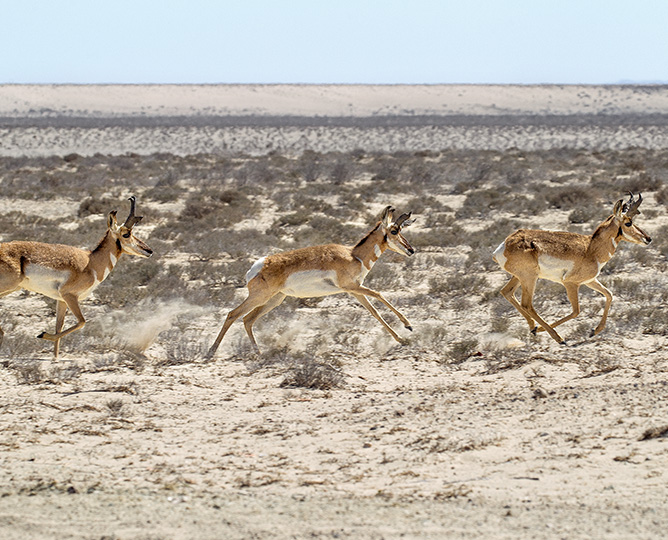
(473, 429)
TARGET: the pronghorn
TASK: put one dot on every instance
(567, 258)
(65, 273)
(320, 271)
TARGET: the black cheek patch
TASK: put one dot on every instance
(118, 245)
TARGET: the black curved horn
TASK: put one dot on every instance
(132, 219)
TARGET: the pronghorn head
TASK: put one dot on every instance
(623, 213)
(125, 239)
(392, 230)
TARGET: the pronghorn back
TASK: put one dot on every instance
(296, 260)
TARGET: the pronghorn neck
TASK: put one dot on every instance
(605, 240)
(105, 256)
(371, 247)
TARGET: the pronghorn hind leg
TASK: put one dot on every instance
(253, 316)
(5, 291)
(365, 302)
(248, 305)
(528, 289)
(572, 292)
(599, 287)
(61, 310)
(508, 292)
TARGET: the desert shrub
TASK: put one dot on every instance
(306, 372)
(308, 166)
(661, 196)
(462, 350)
(567, 197)
(585, 214)
(498, 361)
(181, 351)
(116, 408)
(216, 209)
(383, 276)
(97, 206)
(641, 182)
(325, 230)
(458, 284)
(29, 372)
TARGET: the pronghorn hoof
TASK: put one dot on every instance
(535, 329)
(410, 327)
(41, 336)
(592, 333)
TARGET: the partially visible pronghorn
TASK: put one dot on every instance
(567, 258)
(320, 271)
(67, 273)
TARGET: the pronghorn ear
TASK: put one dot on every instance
(617, 210)
(386, 216)
(111, 221)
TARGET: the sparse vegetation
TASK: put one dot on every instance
(333, 401)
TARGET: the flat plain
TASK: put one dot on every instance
(475, 429)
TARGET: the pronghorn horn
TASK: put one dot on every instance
(632, 206)
(402, 218)
(132, 219)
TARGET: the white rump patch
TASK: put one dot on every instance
(255, 269)
(311, 283)
(553, 269)
(498, 255)
(46, 281)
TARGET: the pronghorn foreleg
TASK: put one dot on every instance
(61, 310)
(252, 302)
(253, 316)
(508, 292)
(572, 292)
(71, 302)
(375, 294)
(597, 286)
(365, 302)
(528, 289)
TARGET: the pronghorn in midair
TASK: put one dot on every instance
(320, 271)
(65, 273)
(567, 258)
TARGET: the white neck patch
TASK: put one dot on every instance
(377, 251)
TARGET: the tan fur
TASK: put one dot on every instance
(532, 254)
(65, 273)
(268, 288)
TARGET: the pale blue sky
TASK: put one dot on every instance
(341, 41)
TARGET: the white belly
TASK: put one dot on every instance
(46, 281)
(553, 269)
(311, 283)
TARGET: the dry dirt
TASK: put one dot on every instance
(473, 430)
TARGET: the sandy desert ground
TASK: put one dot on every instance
(475, 429)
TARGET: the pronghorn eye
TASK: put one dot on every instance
(628, 224)
(394, 231)
(126, 235)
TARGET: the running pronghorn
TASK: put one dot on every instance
(567, 258)
(65, 273)
(320, 271)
